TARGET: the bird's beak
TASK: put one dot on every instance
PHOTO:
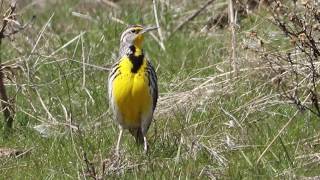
(139, 37)
(147, 29)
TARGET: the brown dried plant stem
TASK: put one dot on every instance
(232, 22)
(192, 16)
(158, 25)
(8, 117)
(6, 107)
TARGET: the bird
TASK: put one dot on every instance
(133, 86)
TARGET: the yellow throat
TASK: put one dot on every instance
(138, 42)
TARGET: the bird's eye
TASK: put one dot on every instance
(133, 31)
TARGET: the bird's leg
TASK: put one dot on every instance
(145, 144)
(118, 143)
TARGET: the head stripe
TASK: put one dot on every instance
(130, 28)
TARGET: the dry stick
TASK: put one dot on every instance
(83, 64)
(276, 137)
(111, 4)
(177, 158)
(45, 107)
(4, 103)
(83, 16)
(232, 117)
(91, 65)
(40, 35)
(158, 25)
(190, 18)
(118, 20)
(281, 130)
(8, 117)
(67, 44)
(232, 23)
(35, 45)
(157, 40)
(72, 127)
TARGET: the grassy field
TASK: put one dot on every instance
(209, 122)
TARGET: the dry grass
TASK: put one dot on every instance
(210, 121)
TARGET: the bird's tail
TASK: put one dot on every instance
(137, 134)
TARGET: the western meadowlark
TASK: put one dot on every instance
(132, 86)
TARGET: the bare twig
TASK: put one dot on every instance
(83, 16)
(232, 23)
(191, 17)
(118, 21)
(232, 117)
(111, 4)
(7, 109)
(9, 152)
(276, 137)
(35, 45)
(302, 60)
(90, 171)
(45, 107)
(83, 64)
(158, 25)
(91, 65)
(68, 43)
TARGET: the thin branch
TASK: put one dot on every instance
(232, 23)
(280, 131)
(276, 137)
(7, 109)
(45, 107)
(191, 17)
(111, 4)
(158, 25)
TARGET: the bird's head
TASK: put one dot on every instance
(133, 35)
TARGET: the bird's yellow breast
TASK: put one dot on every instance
(131, 92)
